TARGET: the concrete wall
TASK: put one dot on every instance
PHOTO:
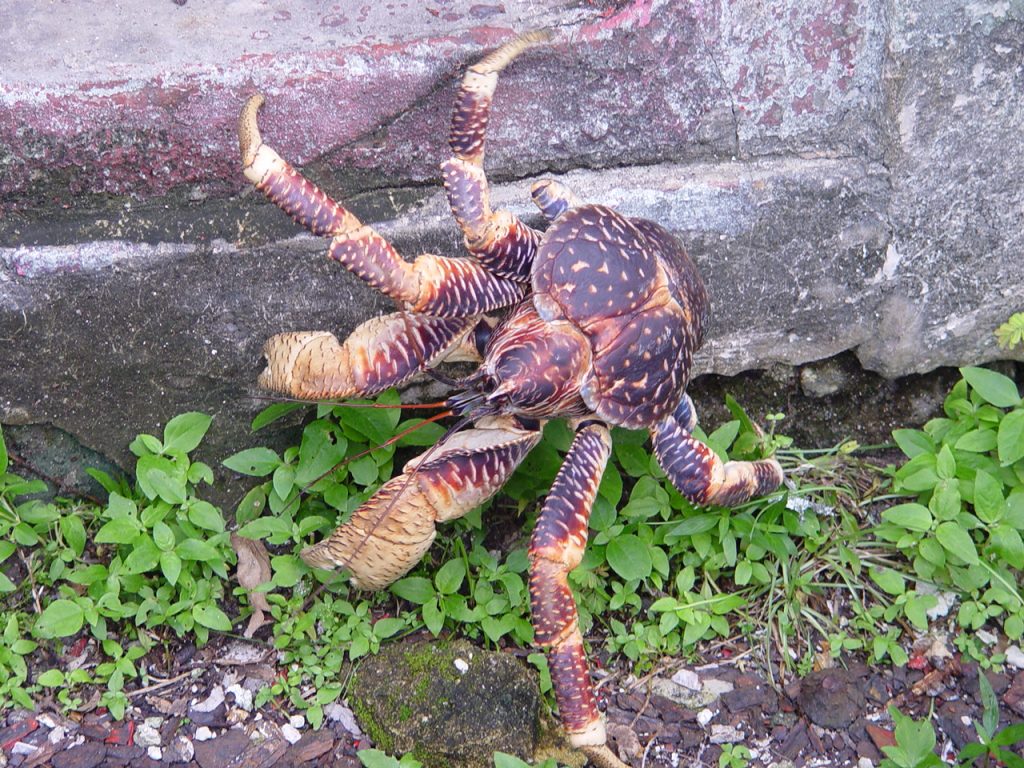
(846, 172)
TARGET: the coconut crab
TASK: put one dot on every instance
(603, 316)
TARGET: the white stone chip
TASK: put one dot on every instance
(146, 735)
(155, 753)
(243, 696)
(211, 702)
(687, 678)
(462, 666)
(23, 748)
(203, 733)
(290, 733)
(704, 717)
(297, 721)
(1015, 657)
(725, 734)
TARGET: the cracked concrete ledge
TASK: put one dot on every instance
(840, 169)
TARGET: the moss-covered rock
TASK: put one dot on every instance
(450, 704)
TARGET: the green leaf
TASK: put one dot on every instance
(1007, 543)
(425, 433)
(695, 524)
(915, 517)
(945, 464)
(889, 580)
(51, 678)
(197, 549)
(251, 507)
(502, 760)
(120, 530)
(1011, 438)
(913, 442)
(989, 705)
(212, 617)
(977, 441)
(433, 617)
(993, 387)
(255, 462)
(988, 497)
(61, 618)
(170, 566)
(322, 448)
(143, 558)
(383, 628)
(415, 589)
(3, 453)
(957, 542)
(374, 758)
(203, 514)
(163, 536)
(184, 432)
(449, 577)
(73, 530)
(629, 557)
(273, 412)
(287, 570)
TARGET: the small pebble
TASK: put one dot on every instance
(47, 720)
(147, 736)
(155, 753)
(725, 734)
(23, 748)
(297, 721)
(56, 735)
(687, 678)
(704, 717)
(203, 733)
(243, 696)
(865, 762)
(986, 637)
(462, 666)
(290, 733)
(1015, 657)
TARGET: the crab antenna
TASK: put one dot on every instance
(344, 404)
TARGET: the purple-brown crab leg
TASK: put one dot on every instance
(498, 239)
(433, 285)
(389, 533)
(697, 472)
(380, 353)
(557, 546)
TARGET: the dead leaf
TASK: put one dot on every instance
(253, 570)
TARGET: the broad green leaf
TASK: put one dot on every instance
(449, 577)
(993, 387)
(320, 451)
(957, 542)
(203, 514)
(383, 628)
(73, 530)
(988, 497)
(273, 412)
(945, 464)
(916, 517)
(374, 758)
(61, 618)
(264, 527)
(212, 617)
(977, 441)
(170, 566)
(3, 453)
(255, 462)
(889, 580)
(184, 432)
(51, 678)
(163, 536)
(629, 557)
(144, 557)
(120, 530)
(913, 442)
(1011, 438)
(287, 570)
(433, 618)
(252, 506)
(423, 433)
(1007, 543)
(196, 549)
(695, 524)
(415, 589)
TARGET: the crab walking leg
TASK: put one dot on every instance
(389, 533)
(553, 198)
(431, 284)
(498, 239)
(557, 546)
(380, 353)
(697, 472)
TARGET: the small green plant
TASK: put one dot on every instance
(734, 756)
(915, 739)
(1011, 333)
(962, 530)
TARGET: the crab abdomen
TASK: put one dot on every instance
(632, 290)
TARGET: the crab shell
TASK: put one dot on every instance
(629, 287)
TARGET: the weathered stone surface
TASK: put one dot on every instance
(955, 264)
(411, 697)
(142, 99)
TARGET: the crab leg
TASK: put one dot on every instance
(699, 474)
(380, 353)
(498, 239)
(434, 285)
(557, 546)
(389, 533)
